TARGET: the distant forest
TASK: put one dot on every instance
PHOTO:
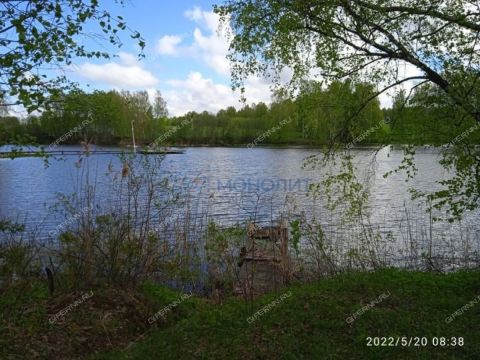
(342, 112)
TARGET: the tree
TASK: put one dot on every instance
(374, 40)
(358, 39)
(3, 105)
(36, 35)
(107, 120)
(159, 106)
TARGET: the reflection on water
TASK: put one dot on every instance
(233, 185)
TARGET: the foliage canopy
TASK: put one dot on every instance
(41, 36)
(372, 40)
(368, 39)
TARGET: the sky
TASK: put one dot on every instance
(185, 58)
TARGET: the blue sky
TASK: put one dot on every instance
(184, 57)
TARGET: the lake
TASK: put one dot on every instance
(233, 185)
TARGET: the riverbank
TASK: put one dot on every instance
(18, 152)
(220, 145)
(330, 318)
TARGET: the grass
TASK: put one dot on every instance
(308, 324)
(311, 323)
(106, 318)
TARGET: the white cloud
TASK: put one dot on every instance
(257, 90)
(405, 70)
(213, 51)
(208, 19)
(208, 45)
(194, 14)
(127, 73)
(168, 45)
(197, 93)
(128, 59)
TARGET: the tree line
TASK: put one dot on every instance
(342, 112)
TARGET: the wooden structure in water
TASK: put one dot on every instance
(17, 154)
(265, 264)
